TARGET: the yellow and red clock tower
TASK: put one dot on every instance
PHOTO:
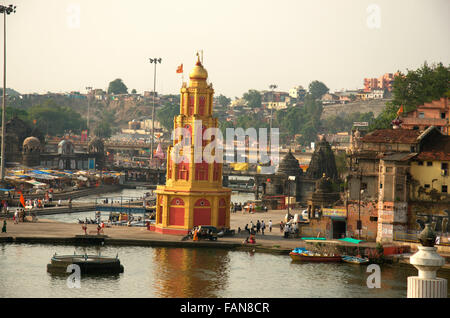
(193, 194)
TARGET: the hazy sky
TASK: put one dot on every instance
(247, 44)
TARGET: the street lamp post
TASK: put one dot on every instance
(156, 61)
(6, 10)
(88, 88)
(359, 225)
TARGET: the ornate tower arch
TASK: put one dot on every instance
(198, 185)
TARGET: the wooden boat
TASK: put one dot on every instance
(310, 257)
(355, 259)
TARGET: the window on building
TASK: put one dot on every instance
(381, 186)
(444, 167)
(442, 115)
(374, 218)
(388, 169)
(363, 186)
(427, 186)
(429, 163)
(444, 189)
(201, 171)
(421, 115)
(420, 163)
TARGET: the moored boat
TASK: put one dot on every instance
(355, 259)
(301, 254)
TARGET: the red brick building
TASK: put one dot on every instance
(383, 82)
(436, 113)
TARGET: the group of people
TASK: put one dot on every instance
(258, 227)
(19, 214)
(236, 207)
(100, 227)
(289, 229)
(250, 208)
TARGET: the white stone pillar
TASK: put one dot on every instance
(427, 285)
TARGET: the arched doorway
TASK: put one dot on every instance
(202, 212)
(176, 212)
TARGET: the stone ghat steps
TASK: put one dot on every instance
(66, 195)
(59, 210)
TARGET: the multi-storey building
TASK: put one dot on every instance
(436, 113)
(398, 178)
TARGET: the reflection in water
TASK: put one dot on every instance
(185, 273)
(201, 272)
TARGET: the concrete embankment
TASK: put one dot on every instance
(66, 195)
(60, 210)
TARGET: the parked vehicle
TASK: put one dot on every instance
(207, 232)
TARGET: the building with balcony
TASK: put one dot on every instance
(436, 113)
(398, 179)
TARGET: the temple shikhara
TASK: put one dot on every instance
(193, 194)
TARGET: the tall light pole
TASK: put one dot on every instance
(88, 88)
(6, 10)
(156, 61)
(358, 223)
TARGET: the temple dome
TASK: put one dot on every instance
(198, 72)
(289, 165)
(31, 144)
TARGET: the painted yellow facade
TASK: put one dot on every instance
(431, 175)
(193, 194)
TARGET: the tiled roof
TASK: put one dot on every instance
(436, 149)
(395, 136)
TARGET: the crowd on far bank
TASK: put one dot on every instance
(288, 229)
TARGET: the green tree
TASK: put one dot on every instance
(13, 112)
(133, 91)
(223, 100)
(417, 87)
(166, 114)
(253, 98)
(117, 87)
(54, 119)
(103, 129)
(317, 89)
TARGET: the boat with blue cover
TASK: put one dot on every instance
(355, 259)
(302, 254)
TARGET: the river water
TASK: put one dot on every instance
(124, 193)
(185, 272)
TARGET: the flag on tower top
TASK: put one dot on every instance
(400, 110)
(180, 69)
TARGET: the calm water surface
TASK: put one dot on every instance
(183, 272)
(129, 193)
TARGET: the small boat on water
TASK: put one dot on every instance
(302, 254)
(355, 259)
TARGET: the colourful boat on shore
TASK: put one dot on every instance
(355, 259)
(301, 254)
